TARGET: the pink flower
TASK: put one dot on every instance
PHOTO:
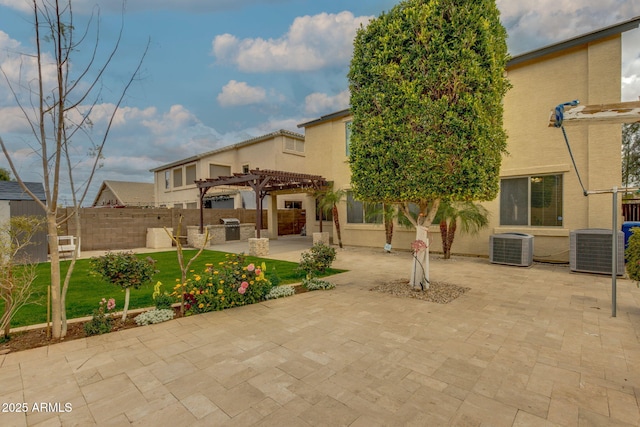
(244, 285)
(418, 245)
(242, 290)
(251, 267)
(111, 304)
(258, 271)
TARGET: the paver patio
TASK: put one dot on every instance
(524, 347)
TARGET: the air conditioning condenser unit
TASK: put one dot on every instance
(511, 249)
(590, 251)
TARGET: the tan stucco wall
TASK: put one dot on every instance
(591, 74)
(266, 154)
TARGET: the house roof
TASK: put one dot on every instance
(11, 190)
(281, 132)
(576, 41)
(528, 56)
(128, 193)
(332, 116)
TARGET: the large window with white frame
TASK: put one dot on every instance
(532, 201)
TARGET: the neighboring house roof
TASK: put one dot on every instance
(11, 190)
(127, 193)
(245, 143)
(528, 56)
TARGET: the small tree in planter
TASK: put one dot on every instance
(317, 260)
(126, 270)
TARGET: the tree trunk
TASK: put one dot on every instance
(443, 236)
(8, 306)
(336, 221)
(72, 264)
(56, 308)
(127, 293)
(420, 269)
(451, 234)
(421, 258)
(388, 230)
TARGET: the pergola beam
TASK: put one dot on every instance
(622, 112)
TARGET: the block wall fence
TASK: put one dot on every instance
(126, 228)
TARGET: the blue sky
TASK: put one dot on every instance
(222, 71)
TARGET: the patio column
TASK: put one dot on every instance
(272, 217)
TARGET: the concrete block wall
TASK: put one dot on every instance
(126, 228)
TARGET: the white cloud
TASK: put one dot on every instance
(237, 93)
(312, 42)
(19, 66)
(178, 117)
(631, 66)
(532, 26)
(318, 103)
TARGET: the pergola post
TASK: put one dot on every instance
(272, 218)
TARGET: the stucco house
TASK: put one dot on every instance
(124, 193)
(540, 194)
(174, 183)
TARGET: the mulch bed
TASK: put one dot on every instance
(38, 337)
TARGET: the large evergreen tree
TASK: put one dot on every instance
(427, 81)
(630, 154)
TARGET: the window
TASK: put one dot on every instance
(347, 130)
(245, 168)
(192, 205)
(190, 172)
(292, 204)
(216, 171)
(363, 213)
(177, 177)
(531, 201)
(295, 145)
(167, 180)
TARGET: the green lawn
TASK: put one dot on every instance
(86, 290)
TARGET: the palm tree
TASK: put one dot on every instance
(389, 213)
(328, 200)
(472, 218)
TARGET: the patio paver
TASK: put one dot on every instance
(525, 346)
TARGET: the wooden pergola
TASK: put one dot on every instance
(262, 182)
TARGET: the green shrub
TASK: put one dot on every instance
(102, 321)
(162, 299)
(317, 260)
(633, 256)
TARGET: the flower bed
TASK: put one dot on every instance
(228, 284)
